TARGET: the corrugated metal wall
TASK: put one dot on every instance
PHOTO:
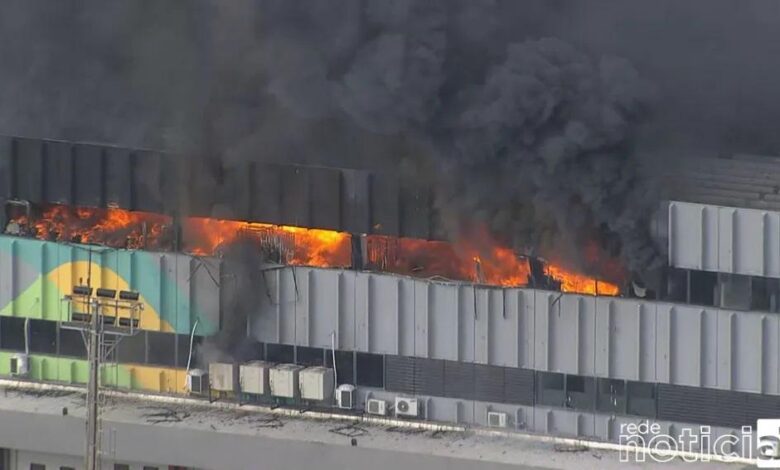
(533, 329)
(724, 239)
(176, 289)
(43, 171)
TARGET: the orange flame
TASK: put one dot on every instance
(579, 283)
(295, 245)
(466, 260)
(112, 227)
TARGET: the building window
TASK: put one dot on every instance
(162, 348)
(67, 468)
(345, 365)
(147, 467)
(370, 370)
(641, 399)
(132, 349)
(580, 392)
(121, 466)
(43, 336)
(611, 396)
(550, 389)
(280, 353)
(72, 343)
(37, 466)
(702, 287)
(308, 356)
(12, 333)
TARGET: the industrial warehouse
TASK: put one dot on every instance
(434, 234)
(571, 356)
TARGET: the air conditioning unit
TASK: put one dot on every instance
(221, 375)
(197, 381)
(20, 364)
(496, 419)
(406, 406)
(345, 396)
(316, 383)
(376, 407)
(253, 377)
(284, 380)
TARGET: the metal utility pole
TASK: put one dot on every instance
(92, 460)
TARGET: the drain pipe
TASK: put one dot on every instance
(192, 337)
(26, 336)
(333, 352)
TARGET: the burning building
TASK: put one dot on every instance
(343, 267)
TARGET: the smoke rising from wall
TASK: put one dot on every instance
(542, 119)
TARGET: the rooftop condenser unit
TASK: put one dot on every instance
(197, 381)
(20, 364)
(376, 407)
(406, 407)
(345, 396)
(496, 419)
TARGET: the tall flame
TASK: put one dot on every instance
(480, 260)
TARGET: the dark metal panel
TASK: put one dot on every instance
(429, 377)
(370, 369)
(58, 173)
(146, 172)
(162, 348)
(518, 386)
(132, 349)
(761, 407)
(702, 406)
(325, 185)
(88, 175)
(43, 336)
(28, 165)
(266, 193)
(459, 380)
(118, 177)
(295, 196)
(415, 213)
(7, 149)
(355, 201)
(489, 383)
(399, 374)
(71, 343)
(384, 204)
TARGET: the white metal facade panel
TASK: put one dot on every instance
(576, 334)
(724, 239)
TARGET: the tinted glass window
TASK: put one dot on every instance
(132, 349)
(162, 348)
(344, 366)
(280, 353)
(370, 370)
(12, 333)
(72, 343)
(309, 356)
(43, 336)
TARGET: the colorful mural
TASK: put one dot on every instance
(176, 289)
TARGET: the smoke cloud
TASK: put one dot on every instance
(544, 120)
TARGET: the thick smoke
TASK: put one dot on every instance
(520, 114)
(242, 289)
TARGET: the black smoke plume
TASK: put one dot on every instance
(520, 114)
(242, 289)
